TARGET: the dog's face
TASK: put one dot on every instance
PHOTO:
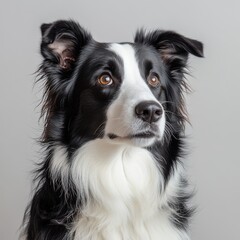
(136, 115)
(125, 92)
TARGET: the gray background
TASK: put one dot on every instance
(213, 163)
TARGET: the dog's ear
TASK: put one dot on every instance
(62, 42)
(61, 46)
(173, 47)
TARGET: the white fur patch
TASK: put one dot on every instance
(123, 188)
(59, 166)
(121, 119)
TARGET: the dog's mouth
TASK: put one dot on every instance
(144, 135)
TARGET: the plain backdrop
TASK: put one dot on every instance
(213, 139)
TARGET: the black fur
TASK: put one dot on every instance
(74, 109)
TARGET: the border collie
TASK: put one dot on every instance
(113, 137)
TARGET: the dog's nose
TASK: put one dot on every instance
(149, 111)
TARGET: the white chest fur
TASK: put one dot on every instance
(122, 189)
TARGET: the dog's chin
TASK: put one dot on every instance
(144, 139)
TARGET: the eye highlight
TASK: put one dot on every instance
(153, 80)
(105, 80)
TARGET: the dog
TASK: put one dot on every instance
(113, 137)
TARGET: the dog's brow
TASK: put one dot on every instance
(127, 53)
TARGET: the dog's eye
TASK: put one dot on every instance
(105, 80)
(153, 80)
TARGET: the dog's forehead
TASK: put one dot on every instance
(135, 55)
(133, 77)
(137, 60)
(123, 50)
(127, 54)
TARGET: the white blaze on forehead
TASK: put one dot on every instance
(127, 54)
(132, 79)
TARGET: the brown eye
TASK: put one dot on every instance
(105, 80)
(153, 80)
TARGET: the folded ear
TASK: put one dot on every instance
(173, 47)
(62, 42)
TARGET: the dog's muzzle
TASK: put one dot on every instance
(146, 125)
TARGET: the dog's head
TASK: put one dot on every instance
(126, 92)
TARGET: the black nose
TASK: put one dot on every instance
(148, 111)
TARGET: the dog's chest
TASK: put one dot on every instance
(116, 176)
(121, 187)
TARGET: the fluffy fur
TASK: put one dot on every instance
(113, 137)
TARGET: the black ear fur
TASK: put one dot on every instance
(62, 42)
(172, 46)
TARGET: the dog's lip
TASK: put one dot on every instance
(145, 134)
